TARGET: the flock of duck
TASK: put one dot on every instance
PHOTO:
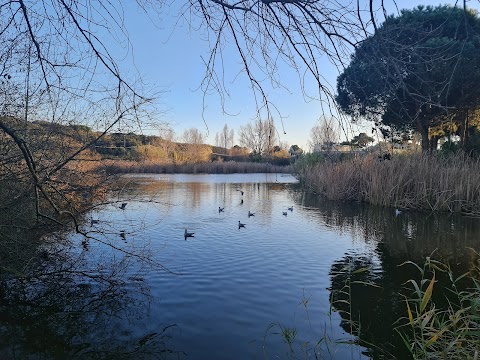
(188, 234)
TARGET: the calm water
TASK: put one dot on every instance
(227, 293)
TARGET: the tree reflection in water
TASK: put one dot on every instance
(63, 308)
(368, 288)
(369, 303)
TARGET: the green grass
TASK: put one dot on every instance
(445, 328)
(440, 317)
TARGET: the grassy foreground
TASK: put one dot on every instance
(447, 330)
(440, 317)
(419, 181)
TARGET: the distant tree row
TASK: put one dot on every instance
(164, 148)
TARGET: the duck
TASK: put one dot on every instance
(240, 225)
(250, 213)
(188, 234)
(290, 208)
(285, 213)
(220, 209)
(123, 206)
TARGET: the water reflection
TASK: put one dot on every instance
(64, 308)
(411, 235)
(100, 301)
(223, 194)
(368, 288)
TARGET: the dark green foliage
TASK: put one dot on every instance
(361, 140)
(295, 150)
(255, 157)
(418, 70)
(449, 147)
(473, 145)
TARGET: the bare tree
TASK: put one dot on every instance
(267, 35)
(193, 136)
(324, 134)
(260, 136)
(224, 139)
(167, 134)
(55, 67)
(194, 149)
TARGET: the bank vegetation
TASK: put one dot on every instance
(229, 167)
(425, 181)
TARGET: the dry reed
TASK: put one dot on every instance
(230, 167)
(421, 181)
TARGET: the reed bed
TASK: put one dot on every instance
(421, 181)
(230, 167)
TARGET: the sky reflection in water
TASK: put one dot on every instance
(238, 287)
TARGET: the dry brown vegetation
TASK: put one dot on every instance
(421, 181)
(50, 189)
(229, 167)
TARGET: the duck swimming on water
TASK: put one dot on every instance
(188, 234)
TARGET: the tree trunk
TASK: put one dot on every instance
(463, 130)
(433, 143)
(423, 130)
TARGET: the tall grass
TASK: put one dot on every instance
(230, 167)
(420, 181)
(440, 317)
(432, 330)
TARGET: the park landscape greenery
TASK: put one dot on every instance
(417, 73)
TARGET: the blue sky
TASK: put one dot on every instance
(171, 61)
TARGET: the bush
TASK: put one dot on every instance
(449, 147)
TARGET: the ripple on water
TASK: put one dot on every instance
(236, 282)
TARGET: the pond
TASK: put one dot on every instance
(134, 287)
